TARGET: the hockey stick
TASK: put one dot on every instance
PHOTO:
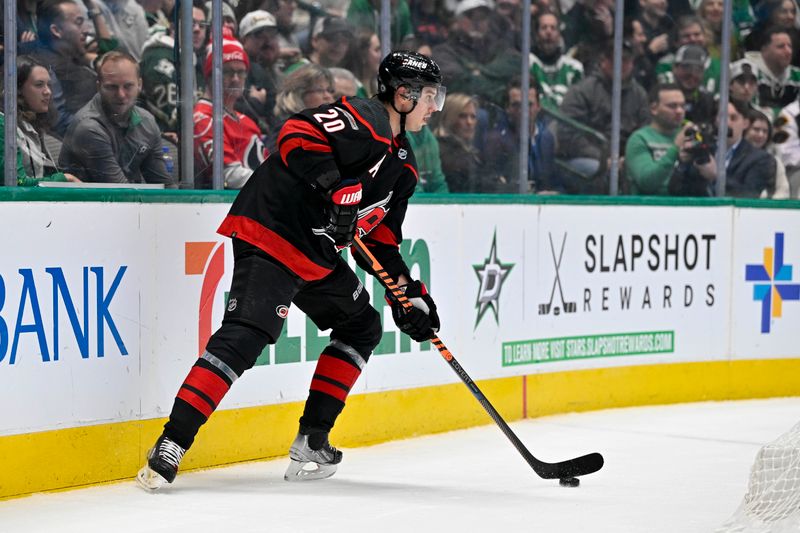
(570, 468)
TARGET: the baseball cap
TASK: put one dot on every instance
(256, 20)
(331, 25)
(743, 68)
(468, 5)
(691, 54)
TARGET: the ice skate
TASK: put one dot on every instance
(312, 457)
(163, 460)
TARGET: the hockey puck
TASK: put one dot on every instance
(569, 482)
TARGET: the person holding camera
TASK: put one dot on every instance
(748, 169)
(652, 151)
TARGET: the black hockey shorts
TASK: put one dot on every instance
(262, 291)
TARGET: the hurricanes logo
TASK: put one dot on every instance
(567, 307)
(282, 311)
(771, 286)
(491, 274)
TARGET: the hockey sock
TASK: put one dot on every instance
(335, 375)
(202, 390)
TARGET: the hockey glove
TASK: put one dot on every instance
(420, 322)
(342, 212)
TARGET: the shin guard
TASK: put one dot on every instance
(337, 370)
(202, 390)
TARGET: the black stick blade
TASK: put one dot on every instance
(580, 466)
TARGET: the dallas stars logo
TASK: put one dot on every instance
(492, 273)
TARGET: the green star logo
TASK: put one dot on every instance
(491, 274)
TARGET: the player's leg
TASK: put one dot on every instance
(340, 303)
(251, 321)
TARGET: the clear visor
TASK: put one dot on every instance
(433, 96)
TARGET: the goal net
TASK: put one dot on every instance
(772, 502)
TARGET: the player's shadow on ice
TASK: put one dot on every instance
(342, 487)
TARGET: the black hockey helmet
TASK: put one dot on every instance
(409, 69)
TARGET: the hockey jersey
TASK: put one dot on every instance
(244, 149)
(281, 210)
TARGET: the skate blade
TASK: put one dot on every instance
(149, 479)
(308, 471)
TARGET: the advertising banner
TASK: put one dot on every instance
(104, 307)
(72, 281)
(766, 284)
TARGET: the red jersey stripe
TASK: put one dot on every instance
(276, 246)
(383, 235)
(300, 126)
(365, 123)
(413, 170)
(303, 144)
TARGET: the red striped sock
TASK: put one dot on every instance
(334, 376)
(203, 389)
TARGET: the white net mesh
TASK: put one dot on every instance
(772, 502)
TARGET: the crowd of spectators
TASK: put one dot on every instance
(98, 84)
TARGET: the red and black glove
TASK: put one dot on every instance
(342, 212)
(420, 322)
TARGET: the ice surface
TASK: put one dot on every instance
(671, 469)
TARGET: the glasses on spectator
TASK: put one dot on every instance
(320, 90)
(229, 73)
(199, 24)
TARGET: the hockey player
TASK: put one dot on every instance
(339, 168)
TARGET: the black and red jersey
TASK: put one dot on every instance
(281, 211)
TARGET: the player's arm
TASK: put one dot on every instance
(311, 143)
(422, 321)
(307, 152)
(384, 240)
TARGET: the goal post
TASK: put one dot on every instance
(772, 501)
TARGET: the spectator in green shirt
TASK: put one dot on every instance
(652, 151)
(366, 14)
(429, 162)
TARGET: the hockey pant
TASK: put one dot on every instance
(260, 296)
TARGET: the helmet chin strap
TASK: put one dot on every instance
(403, 117)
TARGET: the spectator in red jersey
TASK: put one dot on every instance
(243, 148)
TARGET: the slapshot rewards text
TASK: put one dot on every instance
(582, 347)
